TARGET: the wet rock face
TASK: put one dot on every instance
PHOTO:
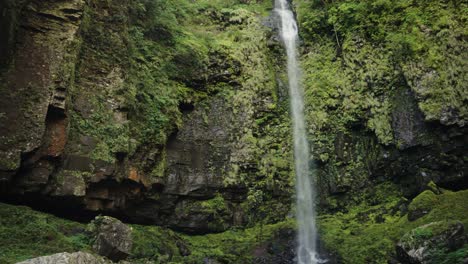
(431, 243)
(426, 82)
(194, 198)
(38, 152)
(280, 250)
(113, 239)
(8, 27)
(68, 258)
(37, 80)
(73, 134)
(199, 153)
(408, 123)
(421, 152)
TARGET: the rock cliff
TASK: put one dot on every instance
(174, 114)
(158, 116)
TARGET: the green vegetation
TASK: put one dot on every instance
(360, 58)
(444, 257)
(157, 52)
(155, 243)
(366, 65)
(27, 234)
(233, 246)
(151, 56)
(140, 60)
(422, 204)
(432, 236)
(420, 234)
(367, 232)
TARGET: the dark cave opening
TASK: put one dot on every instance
(186, 107)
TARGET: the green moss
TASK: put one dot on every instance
(261, 138)
(154, 243)
(352, 48)
(214, 205)
(423, 203)
(159, 170)
(165, 53)
(359, 58)
(437, 250)
(423, 233)
(233, 246)
(9, 162)
(357, 64)
(434, 188)
(355, 234)
(112, 138)
(443, 257)
(215, 209)
(27, 234)
(366, 233)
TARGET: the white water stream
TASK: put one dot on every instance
(305, 193)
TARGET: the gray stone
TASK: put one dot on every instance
(408, 121)
(113, 238)
(420, 245)
(198, 155)
(40, 72)
(78, 163)
(68, 258)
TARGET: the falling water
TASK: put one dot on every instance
(305, 211)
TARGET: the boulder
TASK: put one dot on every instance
(422, 205)
(431, 243)
(113, 239)
(68, 258)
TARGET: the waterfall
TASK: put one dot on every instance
(305, 211)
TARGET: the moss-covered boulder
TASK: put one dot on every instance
(422, 205)
(368, 232)
(436, 242)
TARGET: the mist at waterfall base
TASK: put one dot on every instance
(305, 193)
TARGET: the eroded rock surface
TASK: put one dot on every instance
(37, 80)
(87, 123)
(68, 258)
(113, 239)
(431, 243)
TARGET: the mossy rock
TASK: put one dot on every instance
(422, 205)
(420, 234)
(368, 232)
(436, 242)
